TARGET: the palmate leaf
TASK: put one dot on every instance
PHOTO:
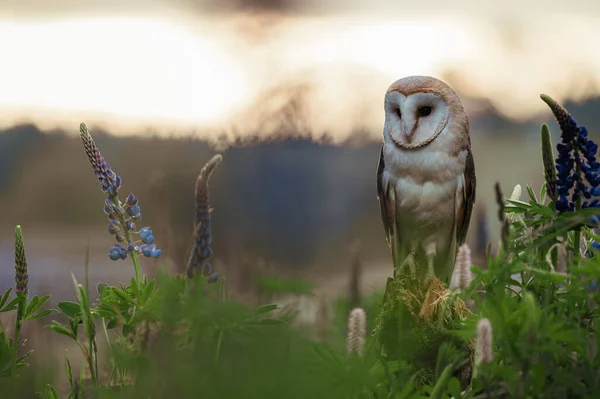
(549, 229)
(529, 208)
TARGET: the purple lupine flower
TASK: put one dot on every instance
(578, 171)
(121, 216)
(21, 276)
(101, 168)
(201, 252)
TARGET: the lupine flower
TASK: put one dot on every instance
(483, 233)
(121, 216)
(21, 277)
(357, 330)
(201, 251)
(213, 277)
(484, 342)
(109, 181)
(502, 215)
(578, 177)
(549, 163)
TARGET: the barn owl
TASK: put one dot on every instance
(425, 176)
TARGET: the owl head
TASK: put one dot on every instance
(418, 109)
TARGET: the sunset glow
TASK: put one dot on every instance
(177, 74)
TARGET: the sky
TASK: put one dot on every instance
(182, 66)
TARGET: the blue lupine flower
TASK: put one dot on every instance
(131, 199)
(578, 171)
(213, 277)
(113, 229)
(117, 251)
(150, 250)
(121, 216)
(145, 232)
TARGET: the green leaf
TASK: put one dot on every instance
(41, 314)
(69, 371)
(106, 311)
(5, 297)
(61, 329)
(86, 315)
(148, 291)
(123, 295)
(35, 303)
(454, 388)
(100, 288)
(25, 356)
(264, 309)
(442, 382)
(112, 324)
(32, 304)
(532, 195)
(52, 393)
(12, 305)
(519, 204)
(69, 308)
(5, 350)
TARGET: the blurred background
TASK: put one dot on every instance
(291, 93)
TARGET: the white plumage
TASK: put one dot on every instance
(426, 175)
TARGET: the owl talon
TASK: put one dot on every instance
(411, 264)
(431, 252)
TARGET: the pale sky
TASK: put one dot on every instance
(187, 65)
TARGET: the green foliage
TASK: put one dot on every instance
(280, 285)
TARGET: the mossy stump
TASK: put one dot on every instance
(416, 317)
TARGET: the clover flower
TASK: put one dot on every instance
(121, 216)
(484, 353)
(463, 264)
(357, 330)
(578, 172)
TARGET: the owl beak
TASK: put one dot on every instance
(407, 130)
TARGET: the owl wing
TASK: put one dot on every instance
(463, 213)
(387, 211)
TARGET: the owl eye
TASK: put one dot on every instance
(424, 111)
(399, 113)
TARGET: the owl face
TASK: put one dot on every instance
(414, 118)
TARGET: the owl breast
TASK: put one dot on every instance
(425, 183)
